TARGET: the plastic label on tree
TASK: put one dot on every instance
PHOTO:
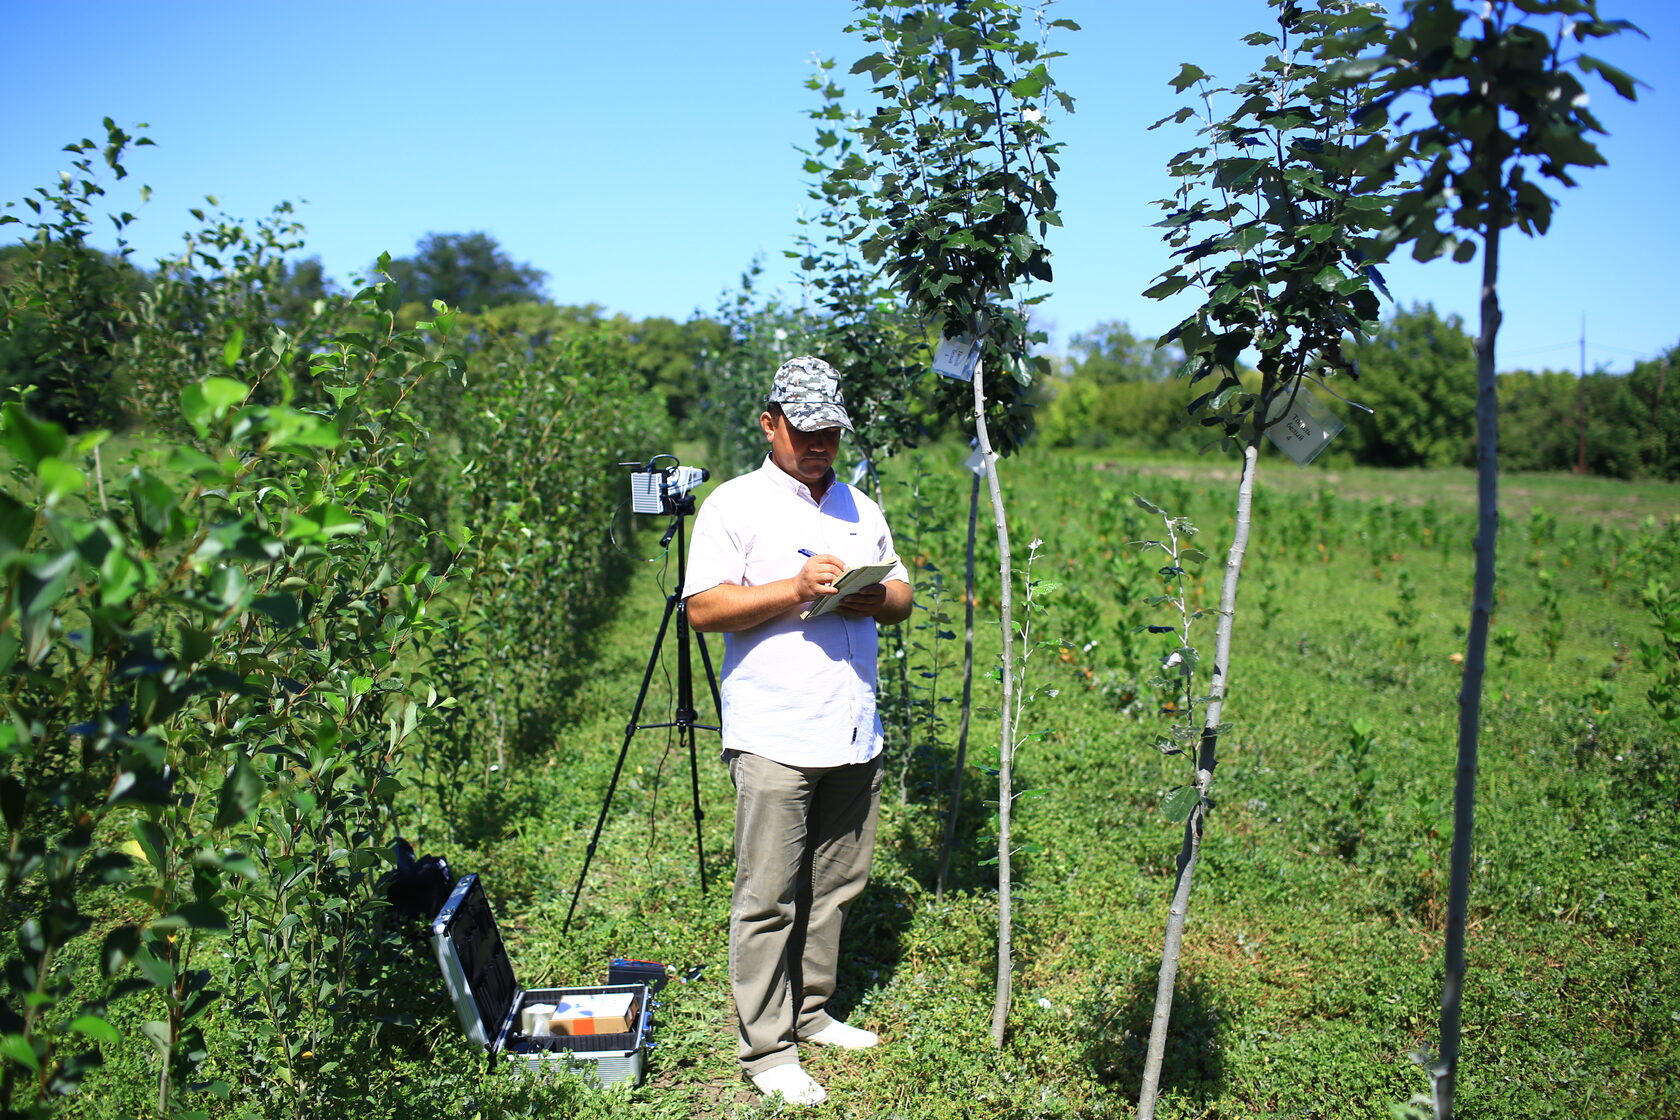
(976, 463)
(1301, 427)
(956, 358)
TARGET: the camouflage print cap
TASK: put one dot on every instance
(808, 389)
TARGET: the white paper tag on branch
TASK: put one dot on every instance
(956, 358)
(1301, 427)
(976, 463)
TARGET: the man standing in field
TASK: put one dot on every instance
(800, 729)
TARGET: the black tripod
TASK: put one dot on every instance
(682, 506)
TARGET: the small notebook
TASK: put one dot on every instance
(853, 579)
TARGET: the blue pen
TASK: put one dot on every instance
(806, 552)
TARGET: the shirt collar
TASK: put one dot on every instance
(776, 476)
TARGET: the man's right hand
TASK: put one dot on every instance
(730, 608)
(817, 577)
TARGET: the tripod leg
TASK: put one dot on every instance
(711, 676)
(693, 760)
(618, 767)
(687, 732)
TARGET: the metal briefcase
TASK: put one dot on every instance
(481, 984)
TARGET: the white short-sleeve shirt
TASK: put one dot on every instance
(799, 693)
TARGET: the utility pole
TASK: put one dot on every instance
(1581, 406)
(1656, 408)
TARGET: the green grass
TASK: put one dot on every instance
(1312, 959)
(1572, 498)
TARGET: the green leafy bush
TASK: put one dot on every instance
(232, 649)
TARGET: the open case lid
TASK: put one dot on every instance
(474, 961)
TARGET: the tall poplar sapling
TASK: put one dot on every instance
(1263, 223)
(1502, 102)
(952, 186)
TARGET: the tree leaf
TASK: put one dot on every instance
(154, 843)
(201, 915)
(283, 609)
(241, 790)
(58, 478)
(17, 521)
(222, 393)
(120, 944)
(1178, 803)
(232, 348)
(97, 1029)
(1170, 286)
(156, 972)
(16, 1048)
(1358, 69)
(28, 439)
(158, 1031)
(1620, 80)
(1248, 237)
(119, 577)
(1188, 75)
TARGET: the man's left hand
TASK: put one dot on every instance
(884, 602)
(864, 603)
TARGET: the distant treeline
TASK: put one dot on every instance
(1418, 376)
(84, 360)
(1113, 389)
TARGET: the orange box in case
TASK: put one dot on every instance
(595, 1013)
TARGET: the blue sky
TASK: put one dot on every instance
(642, 153)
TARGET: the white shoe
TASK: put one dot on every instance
(792, 1083)
(843, 1036)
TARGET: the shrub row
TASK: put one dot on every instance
(346, 560)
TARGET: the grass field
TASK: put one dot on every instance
(1579, 498)
(1313, 955)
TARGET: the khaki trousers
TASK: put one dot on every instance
(804, 837)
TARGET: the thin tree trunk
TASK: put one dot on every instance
(901, 656)
(907, 730)
(1475, 662)
(901, 651)
(961, 762)
(99, 477)
(1006, 730)
(1206, 760)
(1150, 1089)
